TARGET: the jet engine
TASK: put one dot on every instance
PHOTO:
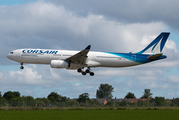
(59, 64)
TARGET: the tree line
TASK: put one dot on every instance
(104, 91)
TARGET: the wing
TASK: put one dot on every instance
(80, 57)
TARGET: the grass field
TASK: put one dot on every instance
(89, 115)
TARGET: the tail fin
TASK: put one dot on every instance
(156, 46)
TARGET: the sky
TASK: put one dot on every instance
(113, 26)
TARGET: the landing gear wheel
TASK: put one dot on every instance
(87, 71)
(79, 70)
(22, 67)
(92, 73)
(83, 73)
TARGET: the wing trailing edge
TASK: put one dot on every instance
(80, 57)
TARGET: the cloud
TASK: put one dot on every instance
(174, 79)
(70, 26)
(136, 11)
(171, 45)
(40, 80)
(45, 25)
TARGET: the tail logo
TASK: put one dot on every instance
(156, 46)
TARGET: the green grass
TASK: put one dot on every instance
(89, 115)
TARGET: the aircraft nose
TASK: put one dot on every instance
(8, 56)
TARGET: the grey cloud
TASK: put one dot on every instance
(41, 80)
(42, 25)
(135, 11)
(33, 79)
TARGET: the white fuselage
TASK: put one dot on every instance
(79, 59)
(94, 59)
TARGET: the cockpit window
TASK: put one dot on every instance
(11, 52)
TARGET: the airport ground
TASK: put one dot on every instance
(85, 113)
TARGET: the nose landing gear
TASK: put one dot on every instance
(21, 67)
(84, 72)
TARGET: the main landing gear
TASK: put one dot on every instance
(84, 72)
(21, 67)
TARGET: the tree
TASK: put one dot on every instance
(46, 100)
(10, 95)
(175, 102)
(54, 97)
(104, 91)
(64, 98)
(28, 100)
(147, 94)
(3, 102)
(110, 103)
(39, 102)
(17, 102)
(140, 103)
(83, 98)
(130, 95)
(70, 103)
(95, 102)
(159, 101)
(123, 103)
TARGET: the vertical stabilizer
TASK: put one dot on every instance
(156, 46)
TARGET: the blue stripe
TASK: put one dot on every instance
(139, 58)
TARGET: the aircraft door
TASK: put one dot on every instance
(19, 53)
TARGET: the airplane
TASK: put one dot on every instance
(78, 60)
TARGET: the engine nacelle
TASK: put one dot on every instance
(59, 64)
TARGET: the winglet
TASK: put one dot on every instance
(88, 47)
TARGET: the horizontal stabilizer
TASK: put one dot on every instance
(154, 57)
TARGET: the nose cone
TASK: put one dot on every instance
(8, 56)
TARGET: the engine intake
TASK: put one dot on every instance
(59, 64)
